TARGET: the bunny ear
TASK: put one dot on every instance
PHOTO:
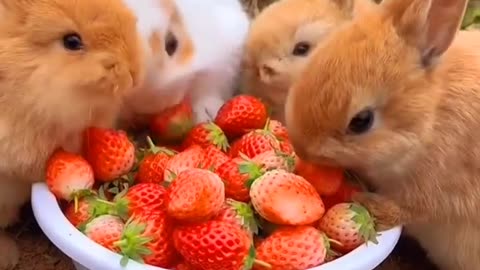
(431, 25)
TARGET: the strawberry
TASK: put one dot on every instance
(240, 115)
(349, 224)
(235, 148)
(195, 195)
(278, 129)
(152, 167)
(274, 159)
(68, 176)
(148, 238)
(192, 157)
(206, 134)
(110, 152)
(286, 199)
(105, 230)
(238, 213)
(258, 141)
(214, 245)
(326, 180)
(214, 158)
(81, 215)
(145, 197)
(293, 248)
(236, 174)
(343, 194)
(173, 124)
(184, 266)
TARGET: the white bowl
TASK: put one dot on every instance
(87, 255)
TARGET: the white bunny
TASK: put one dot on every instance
(195, 48)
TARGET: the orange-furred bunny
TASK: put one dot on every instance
(64, 65)
(395, 96)
(280, 40)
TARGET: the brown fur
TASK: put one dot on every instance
(48, 94)
(423, 153)
(269, 65)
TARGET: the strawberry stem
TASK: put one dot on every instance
(75, 204)
(262, 263)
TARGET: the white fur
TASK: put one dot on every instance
(218, 29)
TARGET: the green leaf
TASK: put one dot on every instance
(366, 222)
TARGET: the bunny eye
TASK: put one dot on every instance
(361, 122)
(171, 44)
(72, 42)
(301, 48)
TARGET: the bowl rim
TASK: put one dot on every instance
(61, 232)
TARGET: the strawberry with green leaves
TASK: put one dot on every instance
(192, 157)
(241, 114)
(238, 213)
(144, 197)
(69, 176)
(275, 159)
(206, 134)
(195, 195)
(105, 230)
(214, 158)
(286, 199)
(147, 238)
(152, 167)
(293, 248)
(215, 245)
(110, 152)
(174, 123)
(349, 224)
(237, 173)
(326, 180)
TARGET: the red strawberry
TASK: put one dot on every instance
(235, 148)
(145, 197)
(238, 213)
(236, 174)
(274, 159)
(293, 248)
(148, 237)
(343, 194)
(81, 215)
(286, 199)
(152, 167)
(278, 129)
(350, 224)
(214, 245)
(214, 158)
(68, 175)
(258, 141)
(326, 180)
(240, 115)
(184, 266)
(105, 230)
(110, 152)
(195, 195)
(192, 157)
(206, 134)
(174, 123)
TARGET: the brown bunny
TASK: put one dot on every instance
(64, 65)
(280, 40)
(395, 96)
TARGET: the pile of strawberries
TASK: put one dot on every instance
(225, 195)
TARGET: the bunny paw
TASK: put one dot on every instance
(206, 109)
(386, 212)
(9, 254)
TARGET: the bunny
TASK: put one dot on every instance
(395, 96)
(64, 65)
(194, 49)
(281, 39)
